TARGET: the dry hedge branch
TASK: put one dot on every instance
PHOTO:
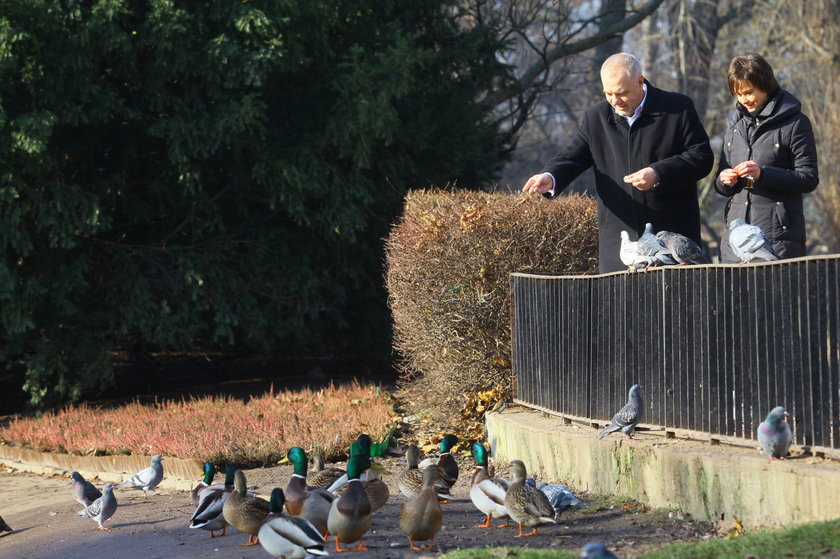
(447, 265)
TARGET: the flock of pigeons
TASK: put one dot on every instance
(665, 248)
(317, 504)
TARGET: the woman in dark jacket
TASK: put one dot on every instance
(768, 160)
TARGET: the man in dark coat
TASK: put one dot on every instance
(648, 150)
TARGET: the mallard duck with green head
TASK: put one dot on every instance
(350, 514)
(421, 518)
(526, 505)
(290, 537)
(311, 503)
(321, 476)
(487, 493)
(362, 447)
(376, 489)
(209, 513)
(446, 461)
(244, 511)
(209, 474)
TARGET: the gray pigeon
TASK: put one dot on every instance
(682, 249)
(84, 491)
(774, 434)
(146, 480)
(649, 244)
(596, 550)
(4, 527)
(103, 508)
(749, 242)
(560, 496)
(629, 416)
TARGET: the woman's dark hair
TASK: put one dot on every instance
(752, 68)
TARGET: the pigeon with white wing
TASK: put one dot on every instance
(749, 242)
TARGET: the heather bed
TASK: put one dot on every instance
(218, 428)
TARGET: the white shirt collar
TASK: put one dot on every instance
(632, 118)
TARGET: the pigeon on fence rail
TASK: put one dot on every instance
(629, 416)
(84, 491)
(629, 254)
(774, 434)
(654, 249)
(682, 249)
(147, 479)
(596, 550)
(749, 242)
(103, 508)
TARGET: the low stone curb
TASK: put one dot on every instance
(179, 474)
(713, 483)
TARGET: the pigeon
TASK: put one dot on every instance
(629, 416)
(525, 504)
(4, 527)
(84, 491)
(103, 508)
(146, 480)
(774, 434)
(682, 249)
(596, 550)
(560, 496)
(651, 247)
(630, 255)
(749, 242)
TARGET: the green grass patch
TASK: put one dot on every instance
(511, 553)
(820, 539)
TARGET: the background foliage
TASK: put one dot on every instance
(448, 264)
(176, 176)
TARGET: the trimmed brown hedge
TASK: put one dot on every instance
(447, 265)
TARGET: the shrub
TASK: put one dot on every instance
(219, 429)
(447, 265)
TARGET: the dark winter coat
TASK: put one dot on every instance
(668, 137)
(780, 139)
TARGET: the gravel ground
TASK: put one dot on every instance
(42, 512)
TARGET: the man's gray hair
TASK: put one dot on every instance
(625, 61)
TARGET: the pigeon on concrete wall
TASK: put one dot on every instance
(774, 434)
(629, 416)
(749, 242)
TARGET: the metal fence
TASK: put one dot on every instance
(715, 347)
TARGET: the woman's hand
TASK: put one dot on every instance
(729, 177)
(748, 169)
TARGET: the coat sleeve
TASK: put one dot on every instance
(723, 163)
(572, 159)
(696, 159)
(803, 177)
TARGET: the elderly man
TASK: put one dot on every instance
(648, 150)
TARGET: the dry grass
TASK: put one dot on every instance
(448, 260)
(219, 429)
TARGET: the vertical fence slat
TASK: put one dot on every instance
(716, 347)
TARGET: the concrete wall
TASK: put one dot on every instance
(179, 474)
(714, 483)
